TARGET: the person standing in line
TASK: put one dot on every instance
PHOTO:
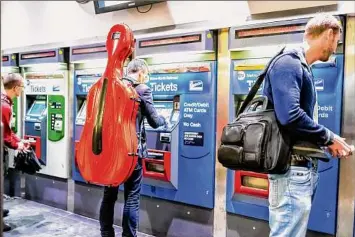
(138, 75)
(289, 87)
(13, 85)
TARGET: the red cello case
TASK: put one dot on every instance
(107, 150)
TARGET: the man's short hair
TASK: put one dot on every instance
(12, 80)
(322, 22)
(137, 65)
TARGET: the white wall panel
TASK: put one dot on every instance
(26, 23)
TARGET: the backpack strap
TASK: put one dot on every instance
(258, 83)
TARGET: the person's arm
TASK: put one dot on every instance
(286, 83)
(148, 108)
(11, 140)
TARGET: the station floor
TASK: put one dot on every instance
(32, 219)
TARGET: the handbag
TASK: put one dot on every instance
(255, 141)
(27, 162)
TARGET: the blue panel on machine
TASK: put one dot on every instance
(186, 146)
(174, 84)
(329, 85)
(83, 81)
(244, 79)
(36, 126)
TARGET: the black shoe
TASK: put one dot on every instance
(6, 227)
(110, 233)
(5, 212)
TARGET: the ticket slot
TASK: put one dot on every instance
(252, 184)
(35, 143)
(157, 165)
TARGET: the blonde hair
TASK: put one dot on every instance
(322, 22)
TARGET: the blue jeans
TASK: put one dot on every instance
(290, 201)
(130, 218)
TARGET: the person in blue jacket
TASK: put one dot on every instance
(138, 75)
(289, 87)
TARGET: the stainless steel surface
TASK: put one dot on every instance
(346, 194)
(223, 80)
(70, 152)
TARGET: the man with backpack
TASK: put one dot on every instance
(289, 87)
(138, 75)
(13, 84)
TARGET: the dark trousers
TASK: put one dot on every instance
(130, 219)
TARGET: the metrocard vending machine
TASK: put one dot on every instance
(89, 62)
(247, 192)
(161, 165)
(9, 64)
(46, 108)
(181, 156)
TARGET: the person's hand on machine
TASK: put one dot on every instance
(27, 143)
(340, 148)
(167, 123)
(23, 146)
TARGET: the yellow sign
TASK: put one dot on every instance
(248, 67)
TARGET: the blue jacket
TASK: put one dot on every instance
(289, 86)
(148, 111)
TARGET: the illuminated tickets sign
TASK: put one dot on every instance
(268, 31)
(38, 55)
(5, 58)
(38, 75)
(170, 41)
(99, 49)
(180, 68)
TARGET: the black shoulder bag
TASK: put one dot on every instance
(254, 141)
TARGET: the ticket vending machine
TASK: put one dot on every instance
(181, 157)
(251, 47)
(9, 64)
(161, 165)
(88, 62)
(46, 108)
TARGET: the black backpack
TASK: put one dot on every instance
(255, 141)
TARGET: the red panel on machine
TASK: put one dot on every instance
(164, 175)
(240, 188)
(107, 150)
(35, 143)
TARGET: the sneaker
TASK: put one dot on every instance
(6, 227)
(5, 212)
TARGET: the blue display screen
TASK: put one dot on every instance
(37, 108)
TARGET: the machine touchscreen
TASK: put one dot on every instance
(163, 108)
(80, 118)
(37, 108)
